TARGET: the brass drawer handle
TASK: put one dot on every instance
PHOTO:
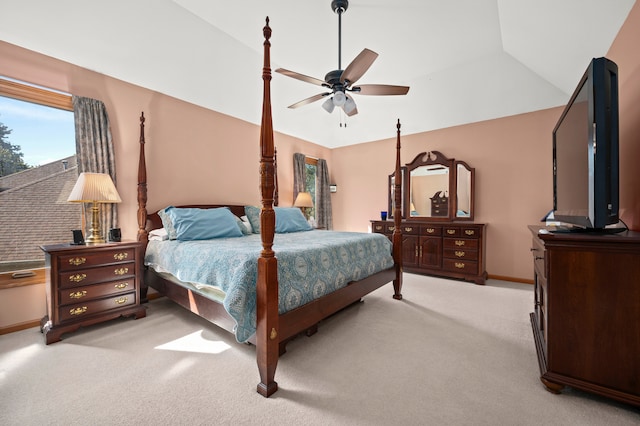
(391, 228)
(120, 256)
(121, 300)
(120, 286)
(77, 261)
(78, 294)
(459, 243)
(451, 231)
(378, 227)
(78, 311)
(469, 232)
(460, 253)
(408, 229)
(430, 230)
(459, 265)
(77, 277)
(121, 271)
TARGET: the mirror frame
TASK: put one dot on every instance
(429, 159)
(472, 191)
(435, 158)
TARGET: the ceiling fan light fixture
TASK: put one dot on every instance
(349, 105)
(339, 98)
(328, 105)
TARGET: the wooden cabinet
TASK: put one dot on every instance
(586, 313)
(90, 284)
(447, 249)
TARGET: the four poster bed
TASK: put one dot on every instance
(274, 312)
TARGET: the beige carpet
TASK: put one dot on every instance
(450, 353)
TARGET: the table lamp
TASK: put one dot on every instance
(303, 200)
(94, 188)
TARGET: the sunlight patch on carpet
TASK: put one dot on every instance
(195, 342)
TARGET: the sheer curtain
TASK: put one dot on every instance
(94, 149)
(323, 196)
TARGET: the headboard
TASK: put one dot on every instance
(154, 221)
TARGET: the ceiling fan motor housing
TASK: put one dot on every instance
(339, 6)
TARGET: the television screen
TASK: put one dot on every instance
(585, 151)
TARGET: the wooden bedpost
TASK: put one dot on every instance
(142, 187)
(397, 217)
(267, 340)
(143, 234)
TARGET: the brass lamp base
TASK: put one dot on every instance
(95, 236)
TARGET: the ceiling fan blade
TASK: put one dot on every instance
(309, 100)
(380, 89)
(358, 66)
(302, 77)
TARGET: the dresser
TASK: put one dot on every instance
(88, 284)
(586, 312)
(446, 249)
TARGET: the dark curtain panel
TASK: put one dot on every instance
(299, 174)
(324, 216)
(94, 149)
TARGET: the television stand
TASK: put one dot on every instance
(586, 309)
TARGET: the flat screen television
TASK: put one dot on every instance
(585, 152)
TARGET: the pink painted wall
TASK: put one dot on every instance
(514, 188)
(194, 155)
(624, 52)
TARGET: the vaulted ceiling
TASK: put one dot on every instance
(465, 60)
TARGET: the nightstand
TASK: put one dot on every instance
(88, 284)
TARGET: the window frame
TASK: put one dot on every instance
(45, 97)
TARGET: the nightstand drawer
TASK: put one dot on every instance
(86, 260)
(88, 308)
(82, 277)
(81, 294)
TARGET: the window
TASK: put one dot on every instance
(311, 165)
(36, 130)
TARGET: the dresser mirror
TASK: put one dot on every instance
(435, 188)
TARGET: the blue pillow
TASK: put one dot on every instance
(290, 219)
(203, 224)
(253, 214)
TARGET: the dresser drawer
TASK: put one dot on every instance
(87, 260)
(539, 262)
(458, 243)
(408, 229)
(82, 277)
(429, 230)
(378, 228)
(459, 253)
(80, 294)
(468, 232)
(449, 231)
(456, 265)
(88, 308)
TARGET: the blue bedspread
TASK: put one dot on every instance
(310, 265)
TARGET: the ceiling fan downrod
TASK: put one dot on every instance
(339, 7)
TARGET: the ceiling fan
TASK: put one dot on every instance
(341, 81)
